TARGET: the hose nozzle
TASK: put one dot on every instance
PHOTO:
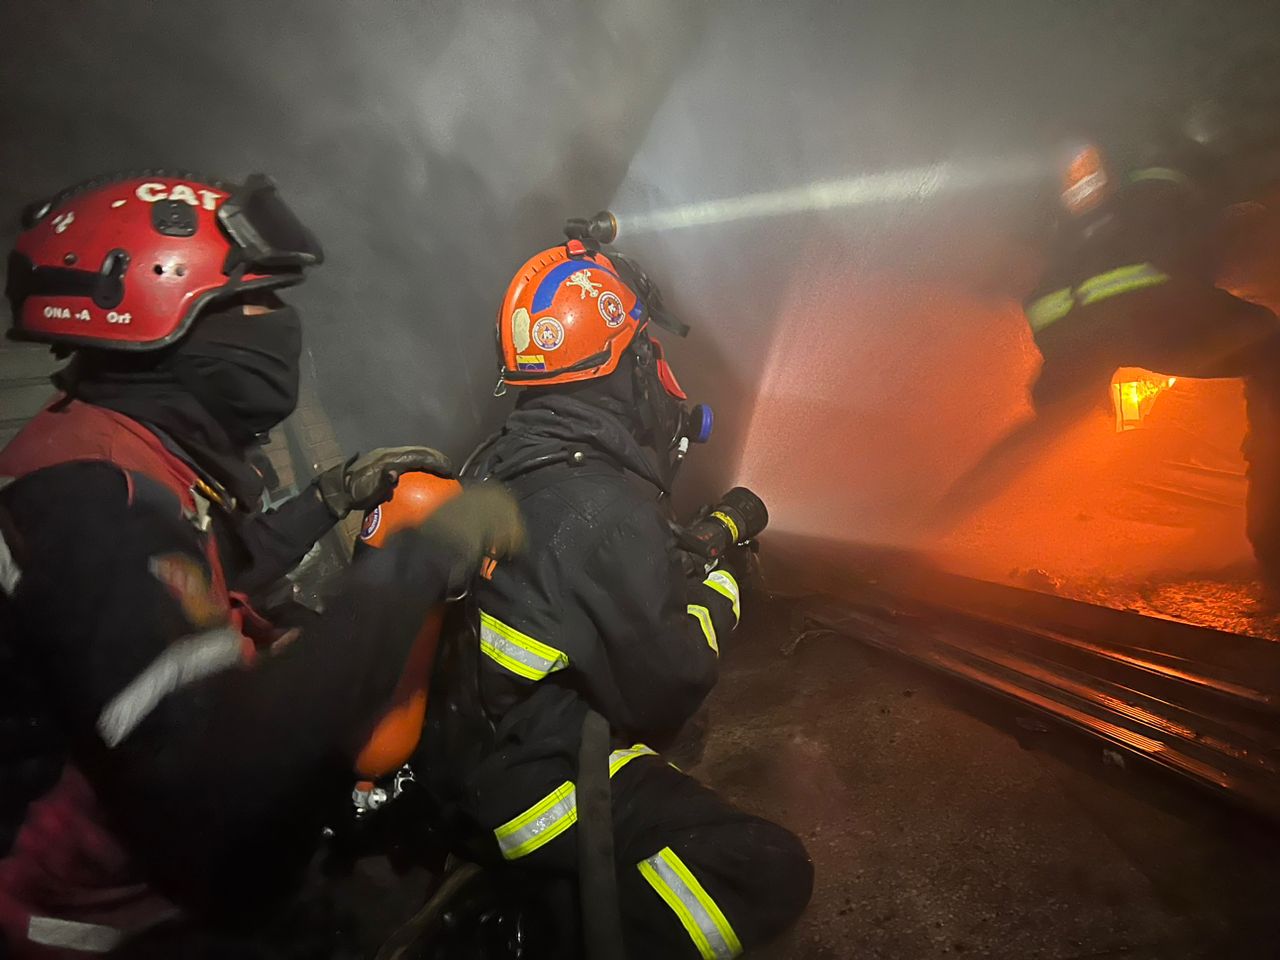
(738, 517)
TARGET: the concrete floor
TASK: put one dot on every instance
(944, 823)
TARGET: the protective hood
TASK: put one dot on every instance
(550, 427)
(214, 394)
(244, 368)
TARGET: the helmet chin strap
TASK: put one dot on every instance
(642, 382)
(657, 411)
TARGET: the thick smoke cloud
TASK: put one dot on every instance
(432, 146)
(868, 346)
(857, 353)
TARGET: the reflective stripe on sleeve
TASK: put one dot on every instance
(702, 919)
(703, 616)
(10, 572)
(1049, 309)
(1167, 174)
(73, 935)
(723, 583)
(555, 813)
(540, 824)
(1115, 282)
(183, 662)
(518, 652)
(620, 758)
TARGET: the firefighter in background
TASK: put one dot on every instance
(1131, 280)
(158, 737)
(599, 614)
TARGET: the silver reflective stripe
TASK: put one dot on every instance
(703, 616)
(10, 572)
(555, 813)
(700, 916)
(620, 758)
(723, 583)
(184, 662)
(73, 935)
(1084, 190)
(540, 824)
(518, 652)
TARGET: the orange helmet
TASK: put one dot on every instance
(1085, 181)
(568, 315)
(416, 497)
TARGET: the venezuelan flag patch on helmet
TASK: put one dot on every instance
(534, 361)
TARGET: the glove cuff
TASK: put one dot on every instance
(332, 488)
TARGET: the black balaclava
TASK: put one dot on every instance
(215, 393)
(243, 368)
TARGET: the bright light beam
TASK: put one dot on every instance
(913, 185)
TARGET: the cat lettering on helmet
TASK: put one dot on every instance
(153, 192)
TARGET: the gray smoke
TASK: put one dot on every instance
(434, 146)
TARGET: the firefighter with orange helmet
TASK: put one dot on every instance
(1131, 280)
(164, 738)
(599, 615)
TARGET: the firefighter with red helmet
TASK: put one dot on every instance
(599, 615)
(164, 733)
(1131, 280)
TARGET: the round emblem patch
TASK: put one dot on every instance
(548, 334)
(372, 520)
(611, 308)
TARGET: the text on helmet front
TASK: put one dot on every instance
(153, 192)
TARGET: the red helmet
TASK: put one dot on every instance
(127, 262)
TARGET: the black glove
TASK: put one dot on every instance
(364, 482)
(482, 520)
(743, 562)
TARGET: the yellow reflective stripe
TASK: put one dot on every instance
(540, 824)
(518, 652)
(722, 582)
(703, 616)
(1167, 174)
(728, 522)
(700, 916)
(620, 758)
(1050, 308)
(1136, 276)
(556, 812)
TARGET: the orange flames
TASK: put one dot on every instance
(1133, 394)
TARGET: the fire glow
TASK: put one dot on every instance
(1133, 395)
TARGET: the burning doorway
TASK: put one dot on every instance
(1138, 507)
